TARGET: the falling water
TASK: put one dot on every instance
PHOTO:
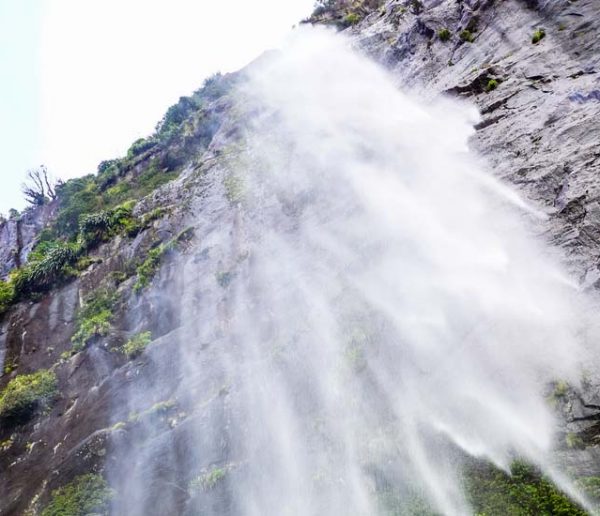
(365, 308)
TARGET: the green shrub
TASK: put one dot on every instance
(524, 492)
(140, 146)
(466, 35)
(136, 345)
(94, 319)
(86, 495)
(443, 34)
(538, 36)
(25, 393)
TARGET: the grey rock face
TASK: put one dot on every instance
(539, 126)
(18, 236)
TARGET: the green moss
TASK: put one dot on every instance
(467, 36)
(538, 36)
(94, 318)
(25, 393)
(86, 495)
(209, 480)
(136, 345)
(443, 34)
(525, 492)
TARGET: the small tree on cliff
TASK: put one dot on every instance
(39, 187)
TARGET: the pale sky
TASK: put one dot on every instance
(80, 80)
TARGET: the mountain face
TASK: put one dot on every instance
(125, 375)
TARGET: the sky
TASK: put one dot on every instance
(80, 80)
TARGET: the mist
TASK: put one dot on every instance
(380, 308)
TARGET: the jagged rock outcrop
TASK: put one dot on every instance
(539, 130)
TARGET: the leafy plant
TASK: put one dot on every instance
(25, 393)
(538, 35)
(85, 495)
(136, 345)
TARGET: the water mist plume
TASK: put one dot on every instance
(381, 309)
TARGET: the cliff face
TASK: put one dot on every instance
(539, 130)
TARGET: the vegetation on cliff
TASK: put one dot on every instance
(97, 207)
(24, 394)
(87, 494)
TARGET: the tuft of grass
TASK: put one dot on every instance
(25, 393)
(538, 36)
(136, 345)
(85, 495)
(444, 34)
(467, 36)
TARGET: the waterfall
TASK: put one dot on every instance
(365, 309)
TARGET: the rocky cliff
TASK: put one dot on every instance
(99, 299)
